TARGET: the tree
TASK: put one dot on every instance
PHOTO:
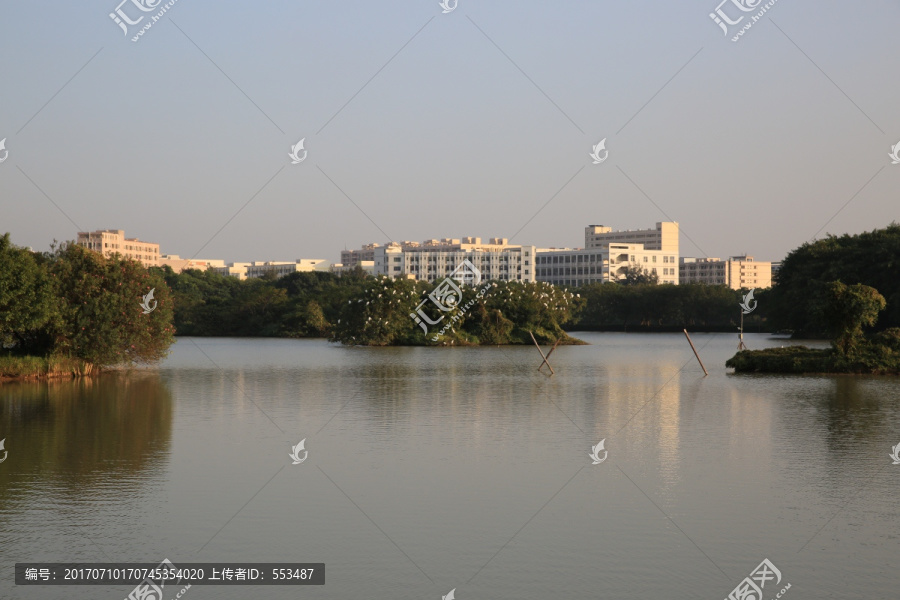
(99, 317)
(25, 298)
(846, 309)
(634, 275)
(870, 258)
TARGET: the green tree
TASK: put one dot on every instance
(99, 317)
(870, 258)
(634, 275)
(846, 309)
(25, 295)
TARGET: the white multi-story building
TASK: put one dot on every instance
(368, 267)
(179, 264)
(280, 269)
(238, 270)
(607, 255)
(251, 270)
(432, 260)
(605, 264)
(113, 241)
(664, 237)
(737, 272)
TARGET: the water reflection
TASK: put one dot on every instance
(78, 434)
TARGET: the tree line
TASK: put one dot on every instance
(74, 302)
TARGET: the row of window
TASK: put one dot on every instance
(593, 258)
(561, 271)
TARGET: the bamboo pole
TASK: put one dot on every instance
(542, 355)
(695, 352)
(553, 348)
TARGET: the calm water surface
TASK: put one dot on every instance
(431, 469)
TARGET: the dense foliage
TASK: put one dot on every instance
(297, 305)
(501, 312)
(871, 258)
(631, 307)
(845, 310)
(358, 309)
(74, 303)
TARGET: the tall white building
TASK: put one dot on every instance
(607, 255)
(433, 260)
(605, 264)
(664, 237)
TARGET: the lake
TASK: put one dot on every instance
(432, 469)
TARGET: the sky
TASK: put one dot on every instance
(419, 123)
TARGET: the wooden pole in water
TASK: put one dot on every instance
(695, 352)
(542, 355)
(552, 349)
(741, 345)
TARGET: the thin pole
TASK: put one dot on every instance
(542, 355)
(695, 352)
(553, 348)
(741, 345)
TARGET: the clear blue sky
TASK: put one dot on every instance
(470, 122)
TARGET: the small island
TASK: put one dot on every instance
(841, 311)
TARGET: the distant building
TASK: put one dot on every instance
(434, 259)
(737, 272)
(664, 237)
(113, 241)
(179, 264)
(607, 256)
(368, 266)
(350, 258)
(238, 270)
(251, 270)
(605, 264)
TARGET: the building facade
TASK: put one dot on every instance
(368, 267)
(605, 264)
(608, 254)
(664, 237)
(737, 272)
(278, 269)
(178, 264)
(434, 259)
(113, 241)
